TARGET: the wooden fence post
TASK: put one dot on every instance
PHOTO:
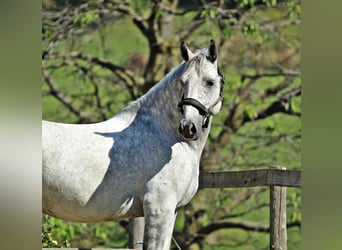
(136, 232)
(278, 234)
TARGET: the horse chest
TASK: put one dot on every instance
(188, 180)
(179, 176)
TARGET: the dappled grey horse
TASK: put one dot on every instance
(142, 162)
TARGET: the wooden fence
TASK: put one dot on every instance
(277, 178)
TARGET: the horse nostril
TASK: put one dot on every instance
(193, 129)
(188, 129)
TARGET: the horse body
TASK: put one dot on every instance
(142, 162)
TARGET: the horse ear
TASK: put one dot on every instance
(185, 52)
(212, 51)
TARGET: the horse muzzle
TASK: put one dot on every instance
(188, 130)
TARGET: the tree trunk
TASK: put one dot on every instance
(162, 51)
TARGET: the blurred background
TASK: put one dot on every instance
(99, 55)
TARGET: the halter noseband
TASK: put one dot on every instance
(203, 111)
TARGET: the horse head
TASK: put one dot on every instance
(202, 85)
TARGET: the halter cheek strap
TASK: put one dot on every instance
(203, 111)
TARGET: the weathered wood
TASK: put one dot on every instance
(136, 233)
(278, 234)
(250, 178)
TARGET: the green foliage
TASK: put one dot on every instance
(140, 6)
(294, 9)
(228, 30)
(48, 34)
(250, 28)
(244, 3)
(209, 13)
(295, 105)
(86, 19)
(59, 233)
(249, 109)
(270, 2)
(260, 43)
(48, 231)
(295, 200)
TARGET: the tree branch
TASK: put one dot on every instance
(276, 74)
(247, 211)
(130, 12)
(279, 106)
(276, 89)
(126, 76)
(60, 96)
(190, 27)
(247, 226)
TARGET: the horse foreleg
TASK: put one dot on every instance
(159, 222)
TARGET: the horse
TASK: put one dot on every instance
(144, 161)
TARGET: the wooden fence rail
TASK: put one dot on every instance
(277, 178)
(250, 178)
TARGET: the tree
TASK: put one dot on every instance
(89, 73)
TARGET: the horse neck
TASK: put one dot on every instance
(161, 101)
(200, 142)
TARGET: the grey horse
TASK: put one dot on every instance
(144, 161)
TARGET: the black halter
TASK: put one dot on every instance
(203, 111)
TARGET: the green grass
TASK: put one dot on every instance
(87, 235)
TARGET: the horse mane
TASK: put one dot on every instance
(159, 88)
(198, 59)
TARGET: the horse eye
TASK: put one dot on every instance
(210, 83)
